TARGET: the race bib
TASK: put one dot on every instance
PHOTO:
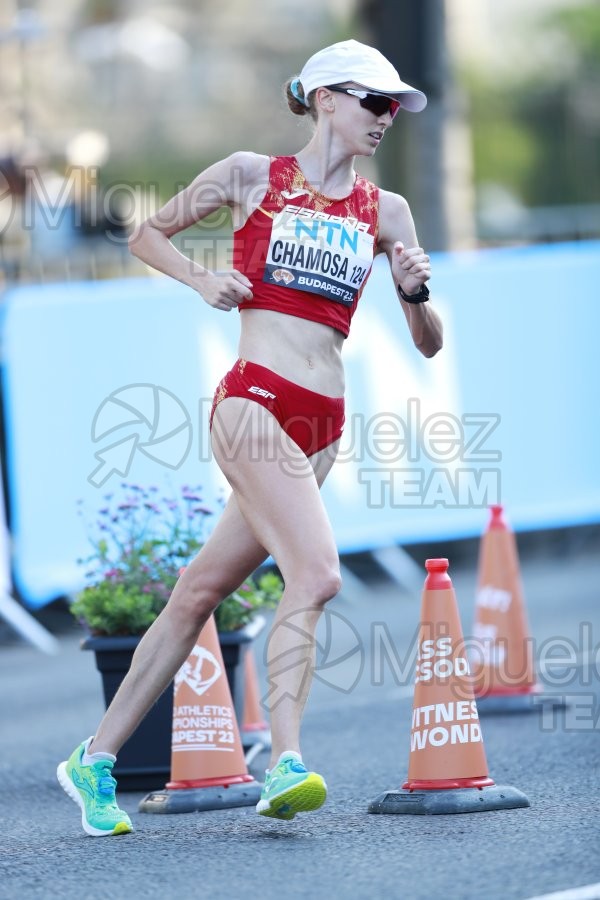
(322, 254)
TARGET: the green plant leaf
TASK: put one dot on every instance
(138, 551)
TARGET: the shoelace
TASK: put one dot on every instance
(106, 783)
(285, 767)
(292, 765)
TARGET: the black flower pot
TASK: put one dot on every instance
(144, 761)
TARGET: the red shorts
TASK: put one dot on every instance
(312, 420)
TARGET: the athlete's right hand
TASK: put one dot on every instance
(224, 290)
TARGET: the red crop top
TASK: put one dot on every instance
(306, 254)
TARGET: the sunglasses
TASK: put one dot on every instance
(378, 104)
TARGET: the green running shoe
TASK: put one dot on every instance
(290, 788)
(92, 787)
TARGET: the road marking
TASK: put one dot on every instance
(587, 892)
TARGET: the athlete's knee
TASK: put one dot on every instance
(332, 585)
(322, 581)
(196, 595)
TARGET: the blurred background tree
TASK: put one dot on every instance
(512, 127)
(536, 129)
(539, 131)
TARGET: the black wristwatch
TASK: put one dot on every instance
(421, 296)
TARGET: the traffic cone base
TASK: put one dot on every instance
(448, 802)
(511, 692)
(441, 784)
(532, 701)
(511, 700)
(201, 799)
(224, 781)
(492, 704)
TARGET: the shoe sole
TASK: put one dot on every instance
(307, 796)
(72, 792)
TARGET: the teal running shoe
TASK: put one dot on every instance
(92, 787)
(290, 788)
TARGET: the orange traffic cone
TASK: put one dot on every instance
(501, 652)
(447, 771)
(208, 769)
(255, 728)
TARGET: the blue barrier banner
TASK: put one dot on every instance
(112, 381)
(104, 382)
(504, 413)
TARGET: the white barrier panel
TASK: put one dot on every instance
(11, 611)
(112, 380)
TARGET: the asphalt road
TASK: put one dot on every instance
(356, 732)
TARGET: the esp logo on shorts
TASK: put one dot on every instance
(261, 392)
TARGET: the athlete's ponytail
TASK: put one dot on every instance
(297, 103)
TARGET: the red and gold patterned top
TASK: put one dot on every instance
(308, 255)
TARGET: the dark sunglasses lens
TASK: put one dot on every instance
(380, 105)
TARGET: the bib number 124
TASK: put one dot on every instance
(357, 275)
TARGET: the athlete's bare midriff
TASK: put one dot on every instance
(305, 352)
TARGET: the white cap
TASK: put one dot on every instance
(367, 67)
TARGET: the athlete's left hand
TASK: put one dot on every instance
(410, 267)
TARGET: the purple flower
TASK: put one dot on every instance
(203, 509)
